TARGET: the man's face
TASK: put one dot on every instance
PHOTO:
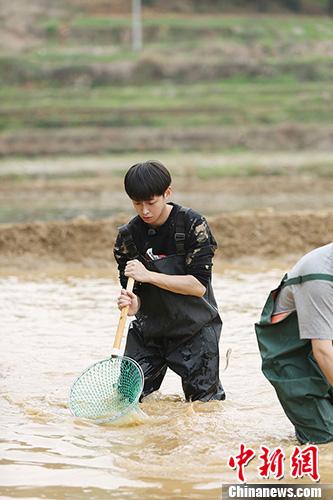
(154, 211)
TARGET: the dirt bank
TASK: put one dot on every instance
(261, 234)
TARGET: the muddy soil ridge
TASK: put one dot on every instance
(261, 234)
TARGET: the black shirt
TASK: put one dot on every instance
(159, 242)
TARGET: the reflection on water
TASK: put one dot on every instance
(53, 329)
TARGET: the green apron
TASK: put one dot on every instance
(287, 362)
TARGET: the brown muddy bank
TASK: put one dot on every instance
(89, 244)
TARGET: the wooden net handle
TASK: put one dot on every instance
(122, 320)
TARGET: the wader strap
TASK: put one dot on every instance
(180, 232)
(128, 241)
(307, 277)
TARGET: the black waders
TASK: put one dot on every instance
(181, 332)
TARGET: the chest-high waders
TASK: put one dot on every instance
(181, 332)
(288, 363)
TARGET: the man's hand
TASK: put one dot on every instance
(128, 299)
(136, 270)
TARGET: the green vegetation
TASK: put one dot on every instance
(253, 169)
(217, 103)
(172, 29)
(196, 72)
(103, 169)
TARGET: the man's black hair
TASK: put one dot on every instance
(145, 180)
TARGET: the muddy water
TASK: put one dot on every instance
(52, 329)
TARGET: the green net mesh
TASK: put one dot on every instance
(107, 390)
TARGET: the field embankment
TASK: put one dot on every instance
(89, 244)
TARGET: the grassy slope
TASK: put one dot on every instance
(194, 71)
(209, 103)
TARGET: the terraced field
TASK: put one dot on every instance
(238, 106)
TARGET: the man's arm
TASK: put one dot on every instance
(314, 305)
(323, 354)
(121, 256)
(182, 284)
(200, 247)
(125, 298)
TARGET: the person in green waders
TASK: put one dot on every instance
(295, 335)
(168, 249)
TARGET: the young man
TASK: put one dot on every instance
(168, 251)
(295, 337)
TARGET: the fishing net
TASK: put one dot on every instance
(107, 390)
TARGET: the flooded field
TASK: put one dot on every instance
(54, 327)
